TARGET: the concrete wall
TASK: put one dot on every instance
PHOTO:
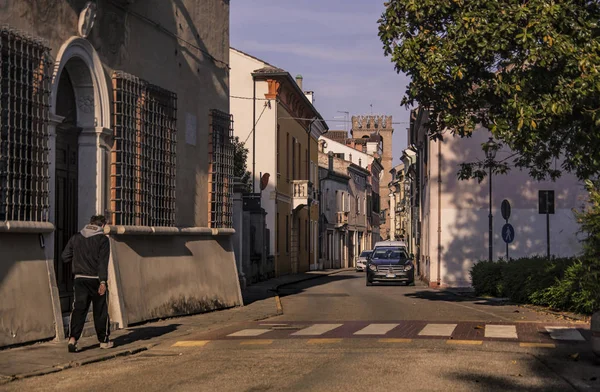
(164, 276)
(25, 300)
(464, 213)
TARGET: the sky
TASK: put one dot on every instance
(334, 45)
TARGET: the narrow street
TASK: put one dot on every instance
(336, 334)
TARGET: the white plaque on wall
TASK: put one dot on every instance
(190, 129)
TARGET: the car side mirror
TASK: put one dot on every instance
(411, 256)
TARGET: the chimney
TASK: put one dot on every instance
(330, 156)
(299, 81)
(360, 162)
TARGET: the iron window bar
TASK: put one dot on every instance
(220, 170)
(25, 76)
(143, 156)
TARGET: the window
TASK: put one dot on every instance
(340, 155)
(306, 235)
(277, 234)
(287, 156)
(24, 102)
(287, 234)
(294, 158)
(220, 169)
(143, 153)
(277, 143)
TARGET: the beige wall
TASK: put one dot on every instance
(25, 301)
(164, 276)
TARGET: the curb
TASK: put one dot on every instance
(73, 364)
(316, 276)
(581, 318)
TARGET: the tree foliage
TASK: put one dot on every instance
(240, 157)
(528, 70)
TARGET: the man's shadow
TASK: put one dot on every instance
(136, 335)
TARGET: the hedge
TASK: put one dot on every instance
(569, 284)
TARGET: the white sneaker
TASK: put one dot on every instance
(106, 345)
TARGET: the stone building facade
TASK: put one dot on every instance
(104, 113)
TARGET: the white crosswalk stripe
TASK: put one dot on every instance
(438, 330)
(316, 329)
(249, 332)
(376, 329)
(565, 333)
(501, 331)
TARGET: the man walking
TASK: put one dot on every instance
(89, 251)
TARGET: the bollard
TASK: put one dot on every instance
(595, 327)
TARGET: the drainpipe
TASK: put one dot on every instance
(439, 220)
(253, 135)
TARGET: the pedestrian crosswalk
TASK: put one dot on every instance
(532, 333)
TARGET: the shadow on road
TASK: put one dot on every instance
(447, 296)
(300, 287)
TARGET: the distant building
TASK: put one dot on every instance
(285, 150)
(380, 127)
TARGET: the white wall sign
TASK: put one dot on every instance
(190, 129)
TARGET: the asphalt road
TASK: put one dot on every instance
(267, 356)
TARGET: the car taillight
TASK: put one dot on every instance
(408, 266)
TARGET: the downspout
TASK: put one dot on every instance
(253, 134)
(439, 220)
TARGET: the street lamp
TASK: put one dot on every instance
(490, 148)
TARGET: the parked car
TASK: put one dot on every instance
(361, 262)
(390, 262)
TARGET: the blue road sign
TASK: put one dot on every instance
(508, 233)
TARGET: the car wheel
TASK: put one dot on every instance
(369, 283)
(411, 283)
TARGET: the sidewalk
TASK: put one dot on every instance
(50, 357)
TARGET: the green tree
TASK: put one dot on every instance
(240, 156)
(529, 71)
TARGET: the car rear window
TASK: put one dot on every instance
(365, 254)
(391, 253)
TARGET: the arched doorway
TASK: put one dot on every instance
(79, 150)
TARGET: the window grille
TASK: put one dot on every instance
(220, 170)
(143, 156)
(24, 110)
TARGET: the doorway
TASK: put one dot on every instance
(66, 187)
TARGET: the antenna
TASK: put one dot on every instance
(371, 109)
(346, 118)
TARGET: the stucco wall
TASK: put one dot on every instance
(25, 303)
(464, 213)
(163, 276)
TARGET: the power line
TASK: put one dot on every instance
(335, 120)
(261, 113)
(249, 98)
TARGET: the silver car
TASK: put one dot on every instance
(361, 262)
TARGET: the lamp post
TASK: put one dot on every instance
(490, 153)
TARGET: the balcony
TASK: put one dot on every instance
(302, 191)
(341, 218)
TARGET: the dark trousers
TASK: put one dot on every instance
(86, 291)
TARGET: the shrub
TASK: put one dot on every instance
(486, 278)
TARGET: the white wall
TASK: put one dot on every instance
(241, 85)
(339, 148)
(464, 213)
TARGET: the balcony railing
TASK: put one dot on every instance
(302, 192)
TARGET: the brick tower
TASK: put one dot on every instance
(365, 126)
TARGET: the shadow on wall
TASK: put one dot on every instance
(465, 209)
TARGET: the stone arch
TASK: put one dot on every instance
(87, 74)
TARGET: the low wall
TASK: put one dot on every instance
(26, 312)
(171, 275)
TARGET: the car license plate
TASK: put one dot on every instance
(390, 276)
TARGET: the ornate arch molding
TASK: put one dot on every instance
(82, 49)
